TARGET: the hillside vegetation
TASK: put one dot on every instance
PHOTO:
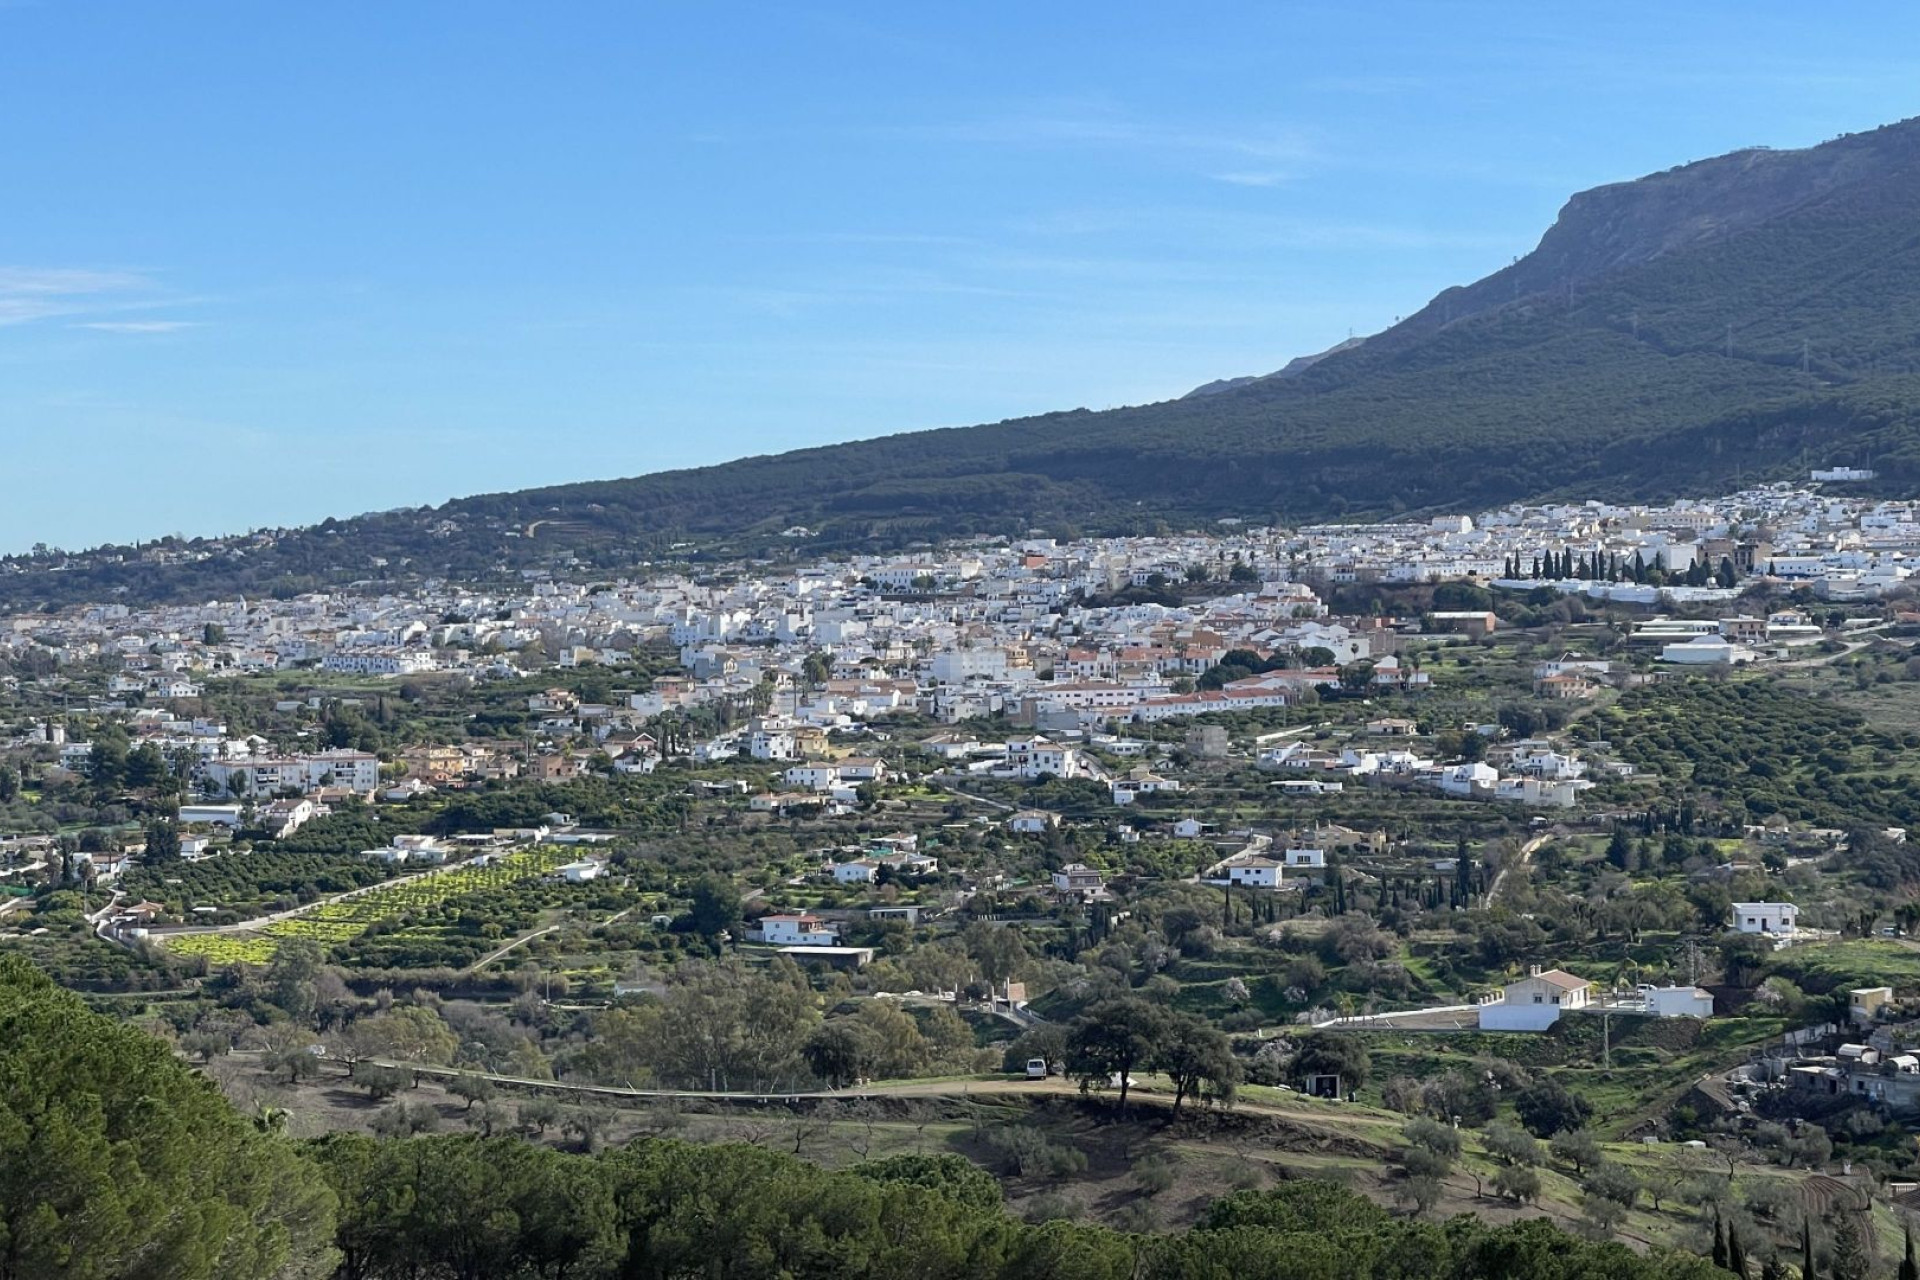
(1728, 321)
(147, 1172)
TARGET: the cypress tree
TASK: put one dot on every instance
(1719, 1243)
(1806, 1252)
(1909, 1268)
(1736, 1253)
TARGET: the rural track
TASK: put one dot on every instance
(497, 952)
(1521, 858)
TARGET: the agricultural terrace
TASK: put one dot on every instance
(337, 922)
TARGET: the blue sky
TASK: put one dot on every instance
(260, 264)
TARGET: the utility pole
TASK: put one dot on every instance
(1606, 1039)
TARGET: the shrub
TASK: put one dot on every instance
(1515, 1182)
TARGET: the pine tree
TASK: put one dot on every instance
(1620, 849)
(1852, 1251)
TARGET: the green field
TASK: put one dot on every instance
(344, 919)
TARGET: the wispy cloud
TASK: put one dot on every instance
(40, 293)
(1246, 230)
(1254, 178)
(138, 326)
(99, 299)
(863, 239)
(1103, 125)
(1367, 84)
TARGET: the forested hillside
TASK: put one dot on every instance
(1730, 321)
(117, 1163)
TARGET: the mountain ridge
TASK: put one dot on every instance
(1726, 320)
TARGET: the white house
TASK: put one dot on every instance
(1033, 822)
(1469, 779)
(814, 777)
(1678, 1002)
(1077, 877)
(1543, 792)
(859, 871)
(798, 931)
(1255, 873)
(380, 662)
(1547, 764)
(862, 769)
(1706, 651)
(1036, 757)
(284, 817)
(1535, 1002)
(1765, 917)
(1308, 859)
(354, 770)
(771, 744)
(219, 815)
(1140, 782)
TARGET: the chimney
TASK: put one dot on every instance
(1533, 971)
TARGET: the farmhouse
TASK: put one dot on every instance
(1535, 1002)
(1765, 917)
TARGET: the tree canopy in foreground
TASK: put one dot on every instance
(117, 1161)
